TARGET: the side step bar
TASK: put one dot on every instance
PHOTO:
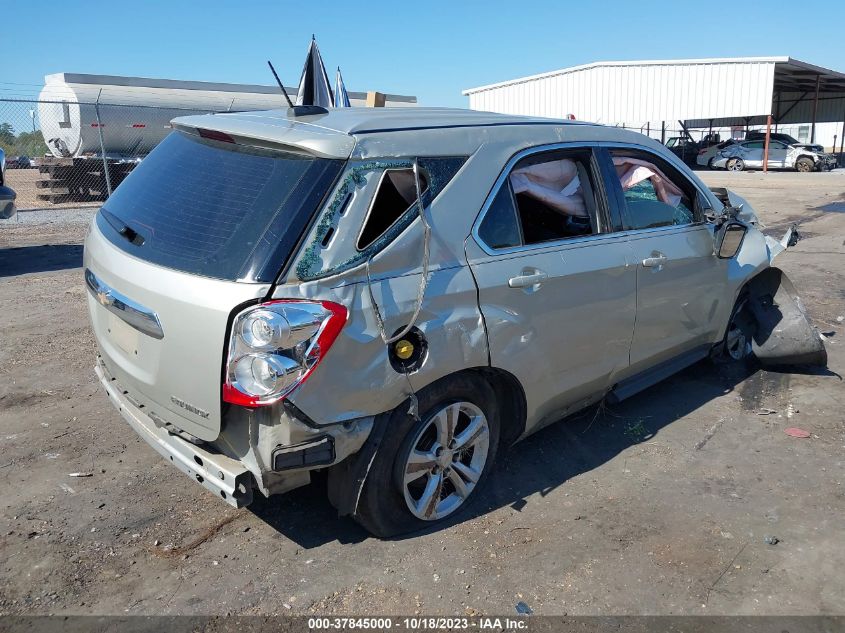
(633, 385)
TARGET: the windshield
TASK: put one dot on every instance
(217, 209)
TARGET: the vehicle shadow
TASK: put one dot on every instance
(39, 259)
(563, 450)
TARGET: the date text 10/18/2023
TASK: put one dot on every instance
(420, 623)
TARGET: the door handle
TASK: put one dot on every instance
(655, 261)
(526, 280)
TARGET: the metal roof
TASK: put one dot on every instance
(638, 92)
(792, 72)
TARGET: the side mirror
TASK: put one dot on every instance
(730, 239)
(7, 203)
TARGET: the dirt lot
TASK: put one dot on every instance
(658, 505)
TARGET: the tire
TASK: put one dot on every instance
(804, 165)
(735, 164)
(389, 506)
(736, 344)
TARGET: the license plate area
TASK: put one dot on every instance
(123, 335)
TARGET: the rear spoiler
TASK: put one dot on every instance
(269, 132)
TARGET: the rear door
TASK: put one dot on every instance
(555, 284)
(680, 281)
(752, 153)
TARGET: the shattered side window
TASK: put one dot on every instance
(324, 254)
(397, 192)
(652, 197)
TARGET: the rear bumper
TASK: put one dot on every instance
(227, 478)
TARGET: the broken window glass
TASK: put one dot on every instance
(396, 192)
(652, 199)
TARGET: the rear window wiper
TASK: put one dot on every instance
(123, 229)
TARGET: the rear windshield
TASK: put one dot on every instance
(217, 209)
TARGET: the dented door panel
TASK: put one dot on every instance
(680, 300)
(565, 337)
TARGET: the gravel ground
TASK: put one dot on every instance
(77, 217)
(659, 505)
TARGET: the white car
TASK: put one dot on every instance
(781, 156)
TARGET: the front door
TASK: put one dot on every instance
(777, 154)
(556, 288)
(680, 281)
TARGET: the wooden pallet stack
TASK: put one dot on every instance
(77, 179)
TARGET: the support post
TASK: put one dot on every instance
(766, 148)
(815, 109)
(663, 132)
(102, 144)
(842, 142)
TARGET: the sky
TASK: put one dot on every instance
(432, 50)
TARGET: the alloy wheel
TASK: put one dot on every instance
(445, 461)
(737, 344)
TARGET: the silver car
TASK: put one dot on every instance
(750, 154)
(395, 295)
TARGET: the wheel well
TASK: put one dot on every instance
(510, 397)
(745, 291)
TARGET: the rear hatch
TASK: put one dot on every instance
(203, 225)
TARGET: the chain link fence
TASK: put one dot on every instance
(61, 154)
(73, 154)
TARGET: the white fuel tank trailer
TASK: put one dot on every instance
(135, 112)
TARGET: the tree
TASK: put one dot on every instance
(31, 144)
(7, 136)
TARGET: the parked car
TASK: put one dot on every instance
(756, 135)
(19, 162)
(750, 154)
(706, 155)
(684, 148)
(7, 196)
(396, 295)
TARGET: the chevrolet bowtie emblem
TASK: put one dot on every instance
(104, 298)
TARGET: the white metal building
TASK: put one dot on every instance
(732, 94)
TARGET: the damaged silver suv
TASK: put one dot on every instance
(395, 295)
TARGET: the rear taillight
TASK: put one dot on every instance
(702, 151)
(275, 346)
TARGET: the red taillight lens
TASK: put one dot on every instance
(275, 346)
(214, 135)
(701, 151)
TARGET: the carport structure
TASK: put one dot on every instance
(799, 93)
(697, 94)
